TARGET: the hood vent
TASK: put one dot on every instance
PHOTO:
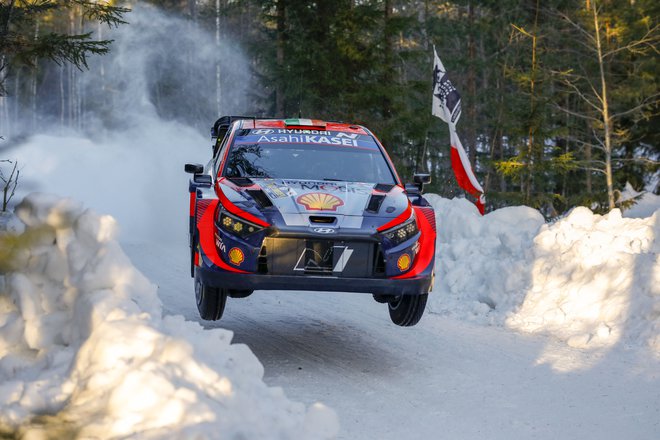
(374, 203)
(323, 219)
(384, 187)
(260, 197)
(241, 181)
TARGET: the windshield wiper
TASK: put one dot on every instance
(327, 179)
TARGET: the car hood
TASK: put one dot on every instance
(291, 196)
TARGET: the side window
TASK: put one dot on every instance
(219, 155)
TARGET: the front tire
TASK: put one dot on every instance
(210, 300)
(407, 310)
(235, 293)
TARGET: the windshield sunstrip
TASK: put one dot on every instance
(314, 137)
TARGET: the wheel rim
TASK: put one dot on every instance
(199, 294)
(395, 303)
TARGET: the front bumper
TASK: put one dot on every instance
(252, 281)
(312, 263)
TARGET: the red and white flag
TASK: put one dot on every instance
(446, 105)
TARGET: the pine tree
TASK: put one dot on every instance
(20, 45)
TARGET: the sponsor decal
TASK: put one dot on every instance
(274, 191)
(306, 139)
(219, 243)
(303, 136)
(315, 185)
(324, 230)
(342, 260)
(311, 260)
(403, 263)
(303, 131)
(320, 201)
(236, 256)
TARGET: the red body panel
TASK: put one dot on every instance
(229, 206)
(205, 226)
(426, 243)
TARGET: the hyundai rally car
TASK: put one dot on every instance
(301, 204)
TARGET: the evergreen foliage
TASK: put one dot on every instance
(548, 120)
(22, 43)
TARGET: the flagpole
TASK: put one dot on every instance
(446, 105)
(426, 140)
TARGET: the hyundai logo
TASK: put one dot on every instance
(324, 230)
(263, 131)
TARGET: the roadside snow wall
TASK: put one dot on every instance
(84, 347)
(588, 279)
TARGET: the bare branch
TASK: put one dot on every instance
(639, 159)
(577, 115)
(650, 40)
(648, 101)
(577, 26)
(10, 183)
(582, 96)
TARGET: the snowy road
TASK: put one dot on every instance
(441, 379)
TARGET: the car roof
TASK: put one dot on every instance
(303, 124)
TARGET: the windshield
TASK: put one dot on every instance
(319, 155)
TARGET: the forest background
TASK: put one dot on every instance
(560, 97)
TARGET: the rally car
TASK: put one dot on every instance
(299, 204)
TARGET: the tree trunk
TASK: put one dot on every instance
(532, 113)
(33, 81)
(388, 53)
(62, 96)
(471, 91)
(192, 9)
(605, 112)
(281, 40)
(4, 26)
(218, 87)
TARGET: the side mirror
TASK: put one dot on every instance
(193, 168)
(421, 179)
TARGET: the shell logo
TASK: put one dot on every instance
(403, 263)
(320, 201)
(236, 256)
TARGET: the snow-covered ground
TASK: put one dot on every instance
(538, 331)
(533, 330)
(590, 280)
(86, 352)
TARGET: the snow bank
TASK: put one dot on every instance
(645, 206)
(591, 280)
(481, 262)
(83, 342)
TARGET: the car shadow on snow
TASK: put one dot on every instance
(314, 331)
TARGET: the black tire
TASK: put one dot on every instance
(193, 248)
(407, 310)
(210, 300)
(380, 298)
(235, 293)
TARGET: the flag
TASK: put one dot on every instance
(446, 105)
(446, 99)
(463, 172)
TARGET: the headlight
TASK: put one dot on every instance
(403, 232)
(237, 226)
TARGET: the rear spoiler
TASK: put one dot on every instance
(222, 125)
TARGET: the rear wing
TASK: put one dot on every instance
(221, 126)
